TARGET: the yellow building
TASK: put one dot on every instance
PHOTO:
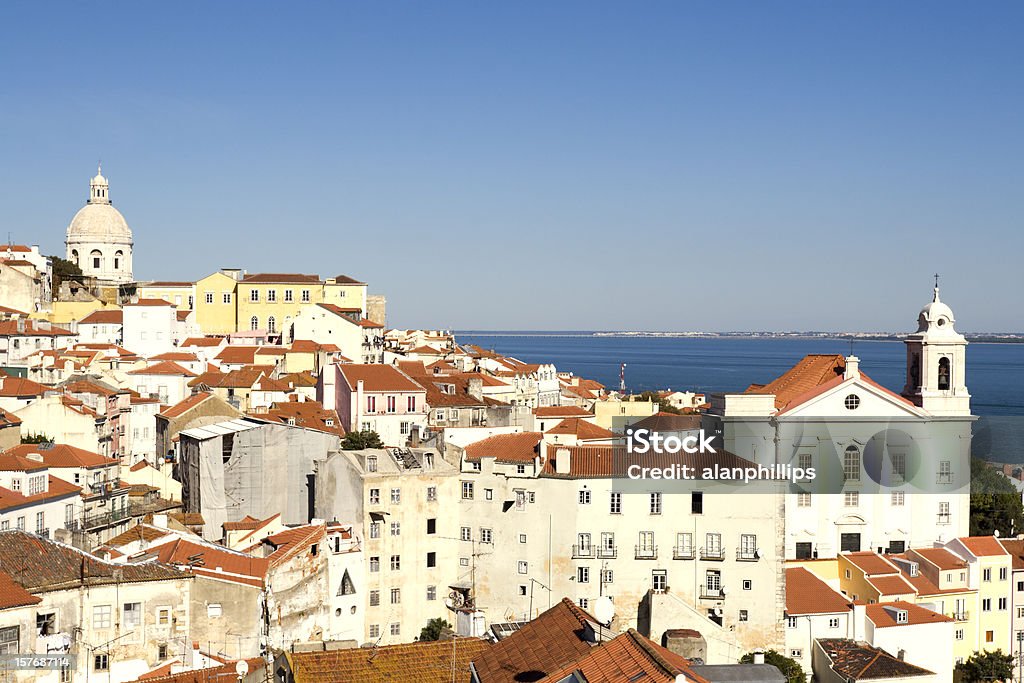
(989, 570)
(270, 301)
(215, 303)
(617, 415)
(181, 294)
(872, 578)
(345, 292)
(942, 581)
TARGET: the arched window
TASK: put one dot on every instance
(943, 373)
(851, 464)
(254, 323)
(271, 324)
(97, 259)
(118, 257)
(74, 256)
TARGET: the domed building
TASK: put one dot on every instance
(99, 240)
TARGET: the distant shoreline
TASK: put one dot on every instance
(982, 338)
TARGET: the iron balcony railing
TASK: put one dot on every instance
(582, 551)
(712, 554)
(682, 553)
(607, 552)
(747, 555)
(646, 552)
(712, 593)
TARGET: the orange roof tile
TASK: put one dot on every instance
(940, 557)
(378, 378)
(882, 617)
(203, 341)
(62, 455)
(807, 594)
(423, 662)
(561, 411)
(12, 594)
(983, 546)
(31, 328)
(627, 657)
(187, 404)
(582, 429)
(166, 367)
(521, 447)
(870, 563)
(891, 585)
(809, 372)
(223, 673)
(103, 317)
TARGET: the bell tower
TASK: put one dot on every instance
(936, 361)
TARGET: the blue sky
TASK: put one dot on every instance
(678, 166)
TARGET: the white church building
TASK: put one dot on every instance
(892, 469)
(98, 239)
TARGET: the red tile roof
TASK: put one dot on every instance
(185, 405)
(883, 618)
(859, 661)
(11, 387)
(983, 546)
(561, 411)
(63, 455)
(224, 674)
(1016, 549)
(599, 461)
(378, 378)
(810, 372)
(103, 316)
(280, 278)
(56, 489)
(8, 419)
(308, 414)
(346, 280)
(891, 585)
(203, 341)
(32, 328)
(423, 662)
(870, 563)
(245, 355)
(940, 557)
(177, 357)
(164, 368)
(210, 561)
(520, 448)
(807, 594)
(627, 657)
(149, 302)
(582, 429)
(12, 594)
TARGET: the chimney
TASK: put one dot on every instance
(852, 367)
(21, 326)
(562, 461)
(476, 388)
(758, 657)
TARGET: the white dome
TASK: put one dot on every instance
(99, 223)
(935, 314)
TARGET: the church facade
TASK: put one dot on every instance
(892, 469)
(98, 238)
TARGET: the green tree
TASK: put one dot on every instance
(434, 629)
(995, 504)
(789, 668)
(357, 441)
(36, 438)
(663, 406)
(63, 270)
(986, 666)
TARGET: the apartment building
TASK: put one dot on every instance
(375, 397)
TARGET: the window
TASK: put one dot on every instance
(396, 628)
(101, 616)
(796, 653)
(396, 596)
(254, 323)
(959, 634)
(163, 616)
(615, 503)
(254, 295)
(1002, 604)
(524, 566)
(396, 528)
(684, 545)
(374, 563)
(945, 472)
(391, 400)
(747, 584)
(225, 298)
(584, 497)
(100, 663)
(803, 500)
(371, 404)
(375, 631)
(431, 526)
(986, 574)
(990, 636)
(271, 324)
(374, 496)
(305, 296)
(431, 592)
(464, 561)
(374, 598)
(396, 496)
(655, 503)
(833, 622)
(396, 563)
(133, 615)
(851, 499)
(986, 605)
(40, 521)
(790, 622)
(583, 603)
(467, 490)
(896, 499)
(288, 297)
(439, 415)
(486, 536)
(804, 551)
(851, 464)
(209, 297)
(371, 463)
(851, 402)
(804, 461)
(1002, 573)
(522, 589)
(465, 533)
(943, 373)
(659, 580)
(582, 574)
(899, 467)
(743, 615)
(608, 576)
(488, 494)
(272, 295)
(214, 610)
(522, 538)
(748, 547)
(431, 493)
(410, 404)
(697, 502)
(431, 560)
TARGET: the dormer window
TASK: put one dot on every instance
(901, 616)
(371, 463)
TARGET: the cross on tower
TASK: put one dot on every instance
(936, 280)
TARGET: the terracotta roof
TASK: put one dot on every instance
(188, 518)
(203, 341)
(859, 661)
(63, 455)
(12, 311)
(8, 419)
(627, 657)
(103, 316)
(346, 280)
(12, 594)
(182, 314)
(11, 387)
(84, 386)
(346, 313)
(32, 328)
(149, 302)
(870, 563)
(540, 648)
(308, 414)
(598, 462)
(941, 558)
(45, 565)
(810, 372)
(561, 411)
(290, 542)
(807, 594)
(139, 532)
(16, 462)
(582, 429)
(167, 283)
(208, 560)
(1016, 549)
(224, 673)
(520, 448)
(983, 546)
(891, 585)
(245, 355)
(669, 422)
(177, 357)
(424, 662)
(282, 278)
(883, 618)
(185, 405)
(247, 523)
(56, 489)
(166, 367)
(378, 378)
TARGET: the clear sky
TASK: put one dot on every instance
(529, 165)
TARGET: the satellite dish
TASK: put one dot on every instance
(241, 668)
(604, 610)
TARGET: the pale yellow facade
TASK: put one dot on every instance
(272, 306)
(64, 312)
(616, 415)
(215, 304)
(345, 294)
(182, 295)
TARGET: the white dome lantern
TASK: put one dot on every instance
(98, 237)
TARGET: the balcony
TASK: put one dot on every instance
(607, 552)
(45, 533)
(747, 555)
(712, 554)
(944, 478)
(942, 518)
(104, 518)
(712, 593)
(646, 552)
(682, 553)
(961, 616)
(582, 552)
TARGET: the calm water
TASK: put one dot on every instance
(995, 372)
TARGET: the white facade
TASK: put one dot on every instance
(98, 239)
(150, 327)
